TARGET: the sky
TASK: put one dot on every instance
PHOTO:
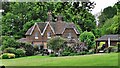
(101, 4)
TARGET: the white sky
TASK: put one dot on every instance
(101, 4)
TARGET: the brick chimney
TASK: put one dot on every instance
(49, 19)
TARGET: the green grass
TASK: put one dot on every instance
(87, 60)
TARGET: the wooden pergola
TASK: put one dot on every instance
(113, 39)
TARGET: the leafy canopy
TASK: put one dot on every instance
(88, 38)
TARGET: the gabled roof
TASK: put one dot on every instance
(57, 27)
(112, 38)
(29, 31)
(71, 25)
(60, 27)
(41, 26)
(46, 28)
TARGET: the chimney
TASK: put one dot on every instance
(59, 18)
(49, 16)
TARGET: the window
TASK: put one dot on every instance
(36, 35)
(49, 35)
(69, 35)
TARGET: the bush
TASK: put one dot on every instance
(56, 43)
(8, 42)
(65, 53)
(7, 56)
(0, 56)
(28, 48)
(9, 50)
(83, 53)
(36, 48)
(72, 54)
(111, 49)
(20, 52)
(53, 55)
(88, 38)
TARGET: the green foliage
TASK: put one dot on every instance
(107, 13)
(65, 53)
(9, 50)
(8, 56)
(72, 54)
(28, 48)
(97, 32)
(111, 49)
(87, 22)
(53, 55)
(109, 20)
(111, 26)
(88, 38)
(18, 17)
(8, 42)
(5, 56)
(69, 49)
(20, 52)
(56, 43)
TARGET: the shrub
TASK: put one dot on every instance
(65, 53)
(53, 55)
(7, 56)
(0, 56)
(9, 50)
(83, 53)
(8, 42)
(111, 49)
(72, 54)
(36, 48)
(106, 50)
(28, 48)
(56, 43)
(20, 52)
(119, 47)
(88, 38)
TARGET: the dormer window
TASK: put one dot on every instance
(69, 35)
(36, 35)
(49, 35)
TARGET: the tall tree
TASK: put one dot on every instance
(107, 13)
(17, 14)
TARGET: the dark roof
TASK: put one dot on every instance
(41, 26)
(29, 31)
(112, 38)
(58, 27)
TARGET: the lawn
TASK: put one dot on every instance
(87, 60)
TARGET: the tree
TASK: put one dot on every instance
(9, 42)
(111, 26)
(88, 38)
(107, 13)
(56, 43)
(17, 14)
(97, 32)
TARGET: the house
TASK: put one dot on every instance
(110, 40)
(41, 32)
